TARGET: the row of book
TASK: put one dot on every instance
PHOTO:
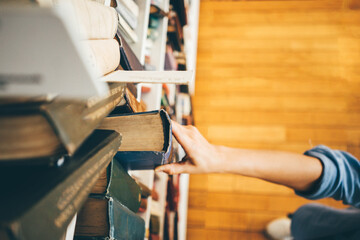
(62, 156)
(56, 191)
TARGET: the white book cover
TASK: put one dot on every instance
(175, 77)
(125, 28)
(41, 54)
(132, 6)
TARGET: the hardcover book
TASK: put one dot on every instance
(126, 31)
(128, 104)
(115, 182)
(147, 138)
(129, 17)
(48, 197)
(42, 129)
(103, 54)
(128, 60)
(49, 60)
(107, 218)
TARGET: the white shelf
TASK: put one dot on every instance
(153, 98)
(161, 188)
(191, 39)
(159, 45)
(141, 29)
(147, 178)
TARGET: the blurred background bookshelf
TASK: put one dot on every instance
(166, 41)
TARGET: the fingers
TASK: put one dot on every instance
(182, 135)
(176, 168)
(178, 132)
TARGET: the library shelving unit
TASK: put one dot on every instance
(153, 102)
(190, 49)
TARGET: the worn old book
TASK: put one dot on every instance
(128, 104)
(91, 19)
(126, 31)
(107, 218)
(131, 6)
(103, 55)
(147, 138)
(127, 14)
(128, 59)
(115, 182)
(48, 197)
(36, 131)
(51, 60)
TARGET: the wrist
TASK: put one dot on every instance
(221, 159)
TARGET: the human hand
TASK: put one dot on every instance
(201, 156)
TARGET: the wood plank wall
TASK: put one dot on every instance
(271, 75)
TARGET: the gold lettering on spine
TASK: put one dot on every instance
(73, 195)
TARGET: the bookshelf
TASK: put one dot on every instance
(141, 29)
(153, 102)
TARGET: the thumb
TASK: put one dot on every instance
(175, 168)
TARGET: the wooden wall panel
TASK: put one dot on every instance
(279, 75)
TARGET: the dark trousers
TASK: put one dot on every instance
(316, 221)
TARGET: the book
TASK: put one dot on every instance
(107, 218)
(115, 182)
(154, 224)
(90, 19)
(131, 5)
(180, 9)
(50, 61)
(145, 191)
(128, 104)
(147, 138)
(157, 12)
(126, 31)
(128, 59)
(95, 21)
(127, 14)
(49, 197)
(104, 55)
(41, 131)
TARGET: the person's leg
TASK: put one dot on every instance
(316, 221)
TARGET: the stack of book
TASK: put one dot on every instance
(128, 13)
(56, 150)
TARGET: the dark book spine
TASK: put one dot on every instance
(114, 220)
(125, 224)
(123, 188)
(55, 210)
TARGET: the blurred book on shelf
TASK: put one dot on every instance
(128, 60)
(129, 104)
(129, 10)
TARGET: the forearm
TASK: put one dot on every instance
(290, 169)
(293, 170)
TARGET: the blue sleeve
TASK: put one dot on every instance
(340, 178)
